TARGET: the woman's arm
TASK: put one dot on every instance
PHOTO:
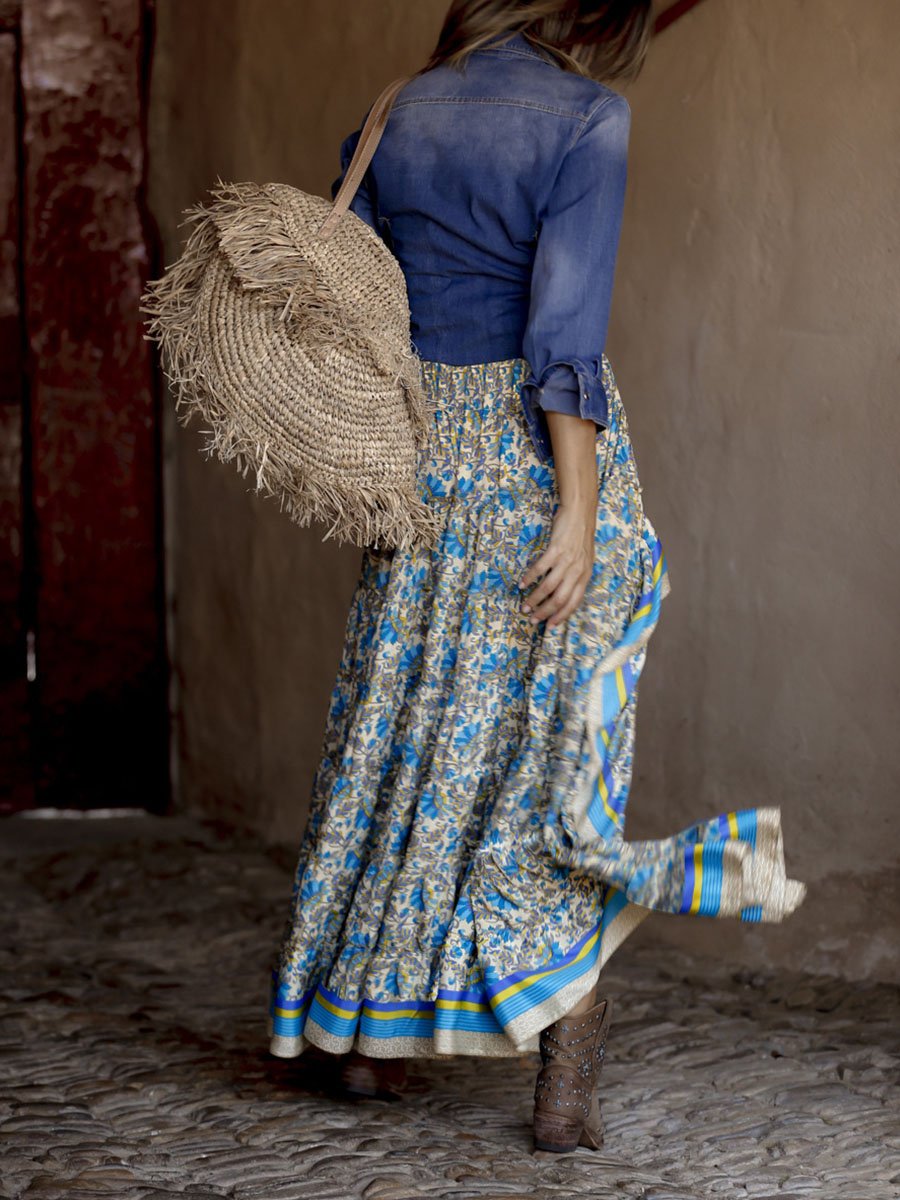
(571, 292)
(568, 559)
(574, 269)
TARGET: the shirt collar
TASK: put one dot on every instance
(517, 43)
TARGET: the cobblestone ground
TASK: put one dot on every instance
(133, 1058)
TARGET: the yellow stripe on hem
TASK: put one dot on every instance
(333, 1008)
(611, 812)
(515, 988)
(698, 878)
(379, 1015)
(604, 796)
(464, 1005)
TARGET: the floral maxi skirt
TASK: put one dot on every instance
(464, 873)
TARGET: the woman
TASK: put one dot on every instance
(464, 874)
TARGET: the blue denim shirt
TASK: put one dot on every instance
(500, 190)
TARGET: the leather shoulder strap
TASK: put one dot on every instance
(369, 137)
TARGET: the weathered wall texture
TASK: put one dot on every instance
(97, 708)
(245, 90)
(754, 341)
(755, 338)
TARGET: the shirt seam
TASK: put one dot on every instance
(589, 116)
(558, 112)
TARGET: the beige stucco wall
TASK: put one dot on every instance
(754, 338)
(265, 91)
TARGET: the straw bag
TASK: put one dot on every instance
(285, 324)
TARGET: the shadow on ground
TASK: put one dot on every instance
(134, 1062)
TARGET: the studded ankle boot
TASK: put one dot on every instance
(566, 1104)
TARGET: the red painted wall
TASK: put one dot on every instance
(100, 728)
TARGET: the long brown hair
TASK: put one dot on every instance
(604, 40)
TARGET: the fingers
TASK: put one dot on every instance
(562, 571)
(545, 588)
(541, 564)
(566, 611)
(559, 605)
(557, 595)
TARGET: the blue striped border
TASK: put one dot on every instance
(475, 1010)
(538, 985)
(687, 893)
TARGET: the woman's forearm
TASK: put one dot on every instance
(564, 566)
(574, 456)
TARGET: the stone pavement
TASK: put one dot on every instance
(133, 1060)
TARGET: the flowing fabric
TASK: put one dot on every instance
(465, 874)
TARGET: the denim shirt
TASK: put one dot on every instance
(500, 189)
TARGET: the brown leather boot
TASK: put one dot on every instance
(383, 1078)
(566, 1104)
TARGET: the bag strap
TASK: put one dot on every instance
(369, 137)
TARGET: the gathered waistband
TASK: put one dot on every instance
(476, 401)
(479, 442)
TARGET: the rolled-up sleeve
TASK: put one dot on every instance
(573, 271)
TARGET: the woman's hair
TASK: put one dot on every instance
(606, 39)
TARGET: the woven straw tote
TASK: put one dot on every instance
(285, 325)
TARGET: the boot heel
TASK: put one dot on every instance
(591, 1137)
(559, 1134)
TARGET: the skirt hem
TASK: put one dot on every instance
(521, 1034)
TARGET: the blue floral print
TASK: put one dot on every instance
(464, 874)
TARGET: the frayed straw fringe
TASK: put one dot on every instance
(362, 514)
(243, 233)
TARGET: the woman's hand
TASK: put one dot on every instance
(564, 566)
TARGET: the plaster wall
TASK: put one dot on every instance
(262, 91)
(754, 340)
